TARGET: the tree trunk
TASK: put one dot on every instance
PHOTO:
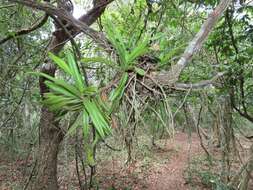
(226, 132)
(51, 137)
(50, 133)
(189, 117)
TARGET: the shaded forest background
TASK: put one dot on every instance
(107, 94)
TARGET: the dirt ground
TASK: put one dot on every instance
(165, 171)
(163, 168)
(171, 174)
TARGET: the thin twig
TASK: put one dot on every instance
(34, 27)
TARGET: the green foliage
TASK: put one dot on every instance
(76, 97)
(126, 57)
(160, 30)
(117, 93)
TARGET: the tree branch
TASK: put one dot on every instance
(199, 85)
(24, 31)
(75, 25)
(194, 46)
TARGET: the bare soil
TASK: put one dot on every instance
(163, 170)
(171, 174)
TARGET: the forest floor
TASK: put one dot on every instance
(171, 175)
(165, 170)
(162, 167)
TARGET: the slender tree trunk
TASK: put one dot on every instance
(189, 117)
(51, 137)
(226, 132)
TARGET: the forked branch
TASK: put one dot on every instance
(194, 46)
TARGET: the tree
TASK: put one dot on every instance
(129, 57)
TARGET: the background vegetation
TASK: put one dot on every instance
(111, 88)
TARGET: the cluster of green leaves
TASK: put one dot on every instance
(126, 56)
(126, 60)
(76, 97)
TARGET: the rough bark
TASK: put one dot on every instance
(227, 136)
(50, 134)
(50, 139)
(190, 123)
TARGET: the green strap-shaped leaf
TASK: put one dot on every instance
(61, 83)
(117, 41)
(68, 87)
(102, 103)
(75, 125)
(64, 66)
(75, 72)
(118, 92)
(100, 124)
(98, 60)
(90, 90)
(51, 98)
(136, 52)
(71, 105)
(59, 89)
(42, 75)
(95, 120)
